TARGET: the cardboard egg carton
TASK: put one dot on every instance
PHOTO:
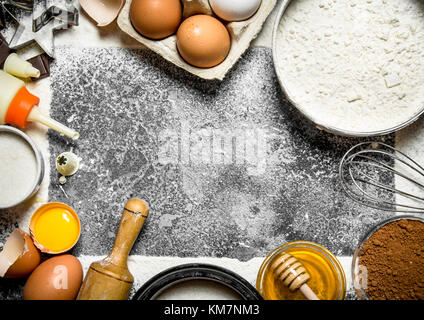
(241, 32)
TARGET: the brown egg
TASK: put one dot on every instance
(156, 19)
(58, 278)
(203, 41)
(27, 262)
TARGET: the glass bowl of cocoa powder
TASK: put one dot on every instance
(388, 264)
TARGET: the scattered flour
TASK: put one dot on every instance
(354, 65)
(198, 290)
(145, 267)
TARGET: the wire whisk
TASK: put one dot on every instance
(379, 176)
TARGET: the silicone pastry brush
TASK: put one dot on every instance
(293, 275)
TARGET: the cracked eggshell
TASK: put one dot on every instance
(19, 256)
(103, 12)
(67, 163)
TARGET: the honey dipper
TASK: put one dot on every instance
(293, 275)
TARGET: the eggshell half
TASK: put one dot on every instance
(12, 250)
(19, 256)
(27, 262)
(43, 209)
(58, 278)
(102, 11)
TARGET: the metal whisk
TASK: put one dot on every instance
(382, 177)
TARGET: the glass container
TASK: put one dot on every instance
(327, 280)
(357, 273)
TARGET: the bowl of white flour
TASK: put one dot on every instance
(21, 167)
(353, 67)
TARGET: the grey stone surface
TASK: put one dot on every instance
(229, 169)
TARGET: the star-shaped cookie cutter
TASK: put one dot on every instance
(41, 29)
(23, 4)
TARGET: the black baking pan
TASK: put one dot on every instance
(195, 271)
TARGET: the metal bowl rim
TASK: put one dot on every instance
(284, 5)
(38, 157)
(196, 271)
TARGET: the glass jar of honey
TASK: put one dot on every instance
(327, 280)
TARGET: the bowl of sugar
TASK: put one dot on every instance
(21, 167)
(352, 69)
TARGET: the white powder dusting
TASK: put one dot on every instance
(18, 169)
(145, 267)
(354, 65)
(410, 141)
(198, 290)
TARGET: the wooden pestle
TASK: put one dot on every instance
(110, 279)
(293, 274)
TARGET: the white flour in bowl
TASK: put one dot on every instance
(354, 65)
(18, 169)
(198, 290)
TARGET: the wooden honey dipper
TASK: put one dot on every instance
(293, 274)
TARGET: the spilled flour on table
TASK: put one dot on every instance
(236, 195)
(410, 141)
(144, 268)
(228, 169)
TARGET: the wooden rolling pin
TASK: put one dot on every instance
(293, 274)
(110, 279)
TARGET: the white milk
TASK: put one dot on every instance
(18, 169)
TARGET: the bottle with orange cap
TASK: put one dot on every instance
(18, 106)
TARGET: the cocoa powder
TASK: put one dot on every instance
(394, 260)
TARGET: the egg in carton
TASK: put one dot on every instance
(241, 34)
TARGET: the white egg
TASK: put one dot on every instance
(235, 10)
